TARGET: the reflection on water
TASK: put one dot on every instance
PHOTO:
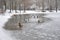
(12, 24)
(32, 29)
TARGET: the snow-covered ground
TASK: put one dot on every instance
(3, 34)
(46, 31)
(31, 12)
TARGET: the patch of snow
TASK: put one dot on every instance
(3, 20)
(31, 12)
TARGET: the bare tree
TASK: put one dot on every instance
(20, 4)
(50, 6)
(39, 3)
(10, 6)
(20, 7)
(43, 6)
(15, 6)
(4, 4)
(56, 5)
(24, 4)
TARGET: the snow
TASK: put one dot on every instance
(48, 30)
(3, 35)
(31, 11)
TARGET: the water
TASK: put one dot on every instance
(31, 30)
(24, 19)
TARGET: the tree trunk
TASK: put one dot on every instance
(10, 6)
(56, 5)
(24, 7)
(50, 6)
(20, 7)
(43, 6)
(5, 4)
(15, 6)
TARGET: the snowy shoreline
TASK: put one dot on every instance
(47, 30)
(31, 12)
